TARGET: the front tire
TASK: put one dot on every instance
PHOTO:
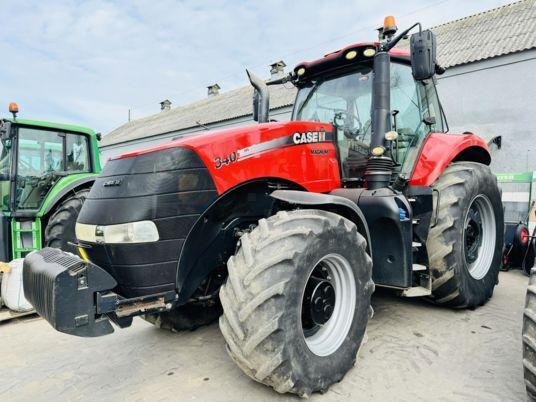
(297, 300)
(529, 338)
(465, 245)
(60, 230)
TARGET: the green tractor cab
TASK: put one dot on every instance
(46, 171)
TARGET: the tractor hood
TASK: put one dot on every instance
(166, 189)
(297, 151)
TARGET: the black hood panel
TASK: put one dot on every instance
(172, 188)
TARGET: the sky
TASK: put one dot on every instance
(90, 62)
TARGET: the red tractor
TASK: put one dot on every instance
(289, 225)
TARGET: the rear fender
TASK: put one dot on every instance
(439, 150)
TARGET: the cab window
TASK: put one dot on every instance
(44, 157)
(77, 153)
(416, 113)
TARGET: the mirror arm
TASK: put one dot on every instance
(439, 69)
(283, 80)
(392, 43)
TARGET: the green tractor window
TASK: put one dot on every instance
(43, 158)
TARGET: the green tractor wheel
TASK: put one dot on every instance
(60, 230)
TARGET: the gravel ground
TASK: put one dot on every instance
(415, 351)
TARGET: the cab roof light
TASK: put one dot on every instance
(13, 109)
(351, 54)
(389, 25)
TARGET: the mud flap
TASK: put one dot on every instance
(62, 288)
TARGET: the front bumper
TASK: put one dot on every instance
(76, 297)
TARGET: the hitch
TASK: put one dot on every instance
(76, 297)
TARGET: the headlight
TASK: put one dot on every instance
(132, 232)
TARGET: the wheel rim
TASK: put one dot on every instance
(328, 304)
(479, 237)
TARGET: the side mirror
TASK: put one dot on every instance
(423, 55)
(5, 130)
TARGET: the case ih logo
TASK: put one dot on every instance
(309, 137)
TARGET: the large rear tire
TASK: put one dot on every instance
(529, 338)
(60, 230)
(465, 245)
(297, 300)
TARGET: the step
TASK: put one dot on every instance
(415, 221)
(419, 267)
(416, 244)
(412, 199)
(416, 291)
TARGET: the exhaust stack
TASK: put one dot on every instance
(261, 99)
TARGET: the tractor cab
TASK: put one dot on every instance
(38, 161)
(381, 101)
(342, 95)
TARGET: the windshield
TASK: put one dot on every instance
(343, 101)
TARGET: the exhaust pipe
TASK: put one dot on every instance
(261, 98)
(380, 162)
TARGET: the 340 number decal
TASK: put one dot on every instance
(219, 161)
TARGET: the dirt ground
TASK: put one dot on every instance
(414, 352)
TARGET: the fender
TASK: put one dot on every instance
(62, 188)
(440, 149)
(334, 203)
(213, 237)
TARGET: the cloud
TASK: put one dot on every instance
(88, 62)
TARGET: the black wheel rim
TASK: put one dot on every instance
(318, 300)
(479, 237)
(328, 304)
(472, 234)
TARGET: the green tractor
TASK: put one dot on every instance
(46, 171)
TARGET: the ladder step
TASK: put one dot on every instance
(412, 199)
(416, 291)
(415, 221)
(416, 244)
(419, 267)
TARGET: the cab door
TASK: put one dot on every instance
(43, 158)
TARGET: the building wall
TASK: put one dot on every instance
(496, 97)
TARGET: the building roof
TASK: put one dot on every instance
(496, 32)
(507, 29)
(214, 109)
